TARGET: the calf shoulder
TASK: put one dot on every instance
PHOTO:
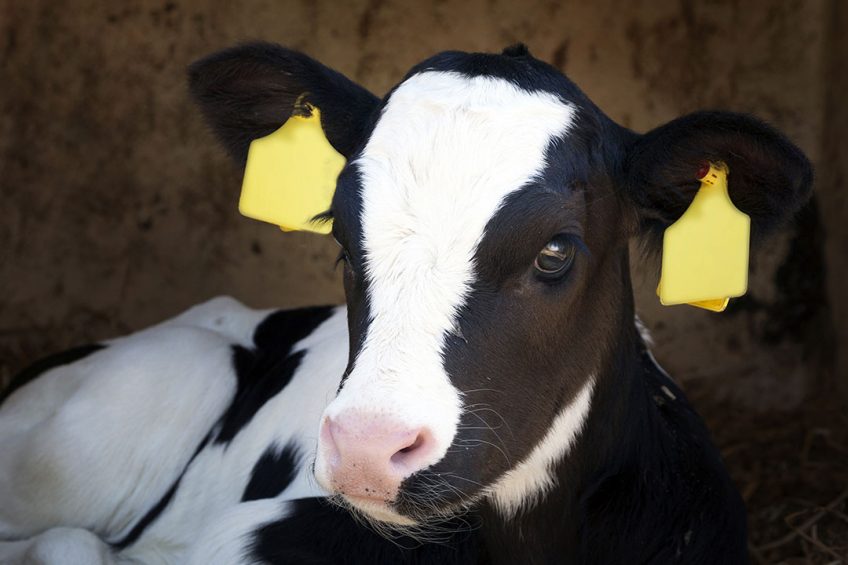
(669, 498)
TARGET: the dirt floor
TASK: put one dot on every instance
(792, 470)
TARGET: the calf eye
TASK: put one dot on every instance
(556, 257)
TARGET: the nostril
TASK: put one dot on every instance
(419, 440)
(410, 457)
(328, 436)
(361, 454)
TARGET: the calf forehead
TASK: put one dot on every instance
(446, 140)
(447, 150)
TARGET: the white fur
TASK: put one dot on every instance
(523, 486)
(217, 477)
(65, 546)
(442, 158)
(96, 443)
(109, 419)
(227, 539)
(644, 332)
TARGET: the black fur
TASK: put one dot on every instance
(273, 473)
(346, 207)
(517, 50)
(249, 91)
(316, 533)
(769, 179)
(666, 495)
(266, 369)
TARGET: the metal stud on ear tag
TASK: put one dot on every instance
(290, 176)
(705, 252)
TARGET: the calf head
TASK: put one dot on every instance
(483, 218)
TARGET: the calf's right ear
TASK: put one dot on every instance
(769, 177)
(249, 91)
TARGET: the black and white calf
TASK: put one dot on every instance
(485, 397)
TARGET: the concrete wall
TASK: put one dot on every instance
(119, 209)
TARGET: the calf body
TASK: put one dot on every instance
(158, 429)
(485, 397)
(191, 441)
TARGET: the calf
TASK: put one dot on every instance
(485, 397)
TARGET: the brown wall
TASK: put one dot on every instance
(833, 183)
(118, 209)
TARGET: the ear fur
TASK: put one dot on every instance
(249, 91)
(769, 179)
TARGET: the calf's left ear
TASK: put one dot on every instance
(769, 177)
(249, 91)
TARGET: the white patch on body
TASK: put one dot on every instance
(218, 476)
(229, 538)
(523, 486)
(96, 443)
(92, 445)
(446, 152)
(57, 546)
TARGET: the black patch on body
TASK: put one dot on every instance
(265, 370)
(317, 533)
(43, 365)
(273, 473)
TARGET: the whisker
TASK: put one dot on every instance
(484, 442)
(496, 413)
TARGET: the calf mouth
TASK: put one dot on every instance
(412, 512)
(437, 524)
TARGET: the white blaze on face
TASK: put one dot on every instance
(444, 154)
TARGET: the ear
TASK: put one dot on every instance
(249, 91)
(769, 177)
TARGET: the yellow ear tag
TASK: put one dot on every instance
(290, 176)
(705, 252)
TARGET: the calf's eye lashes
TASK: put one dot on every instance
(556, 256)
(342, 257)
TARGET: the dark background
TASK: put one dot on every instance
(118, 208)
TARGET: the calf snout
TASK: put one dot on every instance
(369, 455)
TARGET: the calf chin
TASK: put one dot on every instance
(380, 516)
